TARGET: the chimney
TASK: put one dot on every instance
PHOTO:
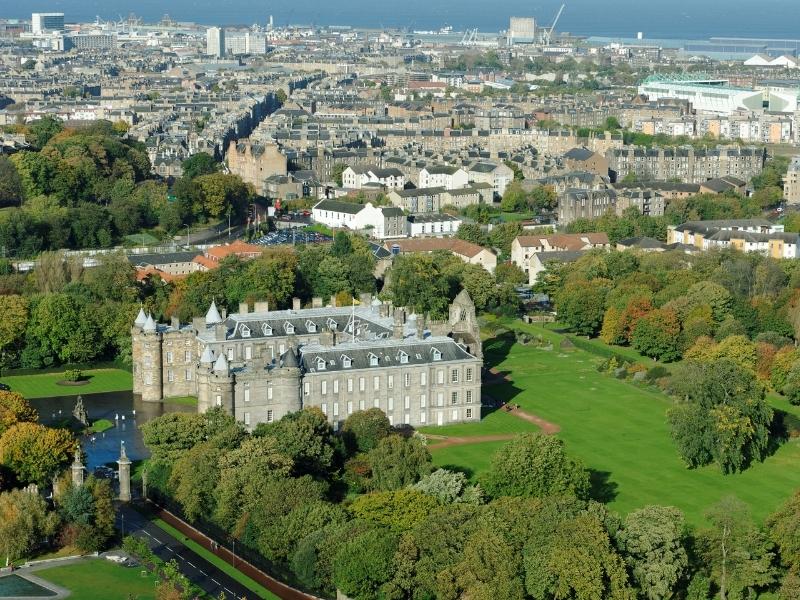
(328, 337)
(296, 304)
(244, 308)
(421, 327)
(261, 306)
(199, 323)
(384, 310)
(365, 299)
(316, 302)
(220, 332)
(398, 329)
(333, 300)
(224, 313)
(175, 322)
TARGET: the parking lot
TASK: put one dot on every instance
(291, 236)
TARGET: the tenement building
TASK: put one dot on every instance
(262, 364)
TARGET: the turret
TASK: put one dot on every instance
(146, 347)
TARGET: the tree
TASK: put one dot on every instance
(576, 561)
(336, 173)
(657, 334)
(738, 553)
(510, 274)
(399, 510)
(472, 232)
(449, 487)
(198, 164)
(397, 462)
(784, 530)
(543, 197)
(15, 409)
(194, 479)
(34, 452)
(169, 436)
(653, 546)
(536, 465)
(24, 522)
(514, 199)
(11, 189)
(417, 281)
(363, 429)
(720, 415)
(581, 306)
(364, 564)
(43, 130)
(62, 328)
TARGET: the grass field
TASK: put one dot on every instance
(46, 385)
(217, 561)
(101, 580)
(620, 431)
(182, 400)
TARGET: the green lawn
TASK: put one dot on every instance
(101, 580)
(182, 400)
(101, 425)
(216, 561)
(46, 385)
(620, 431)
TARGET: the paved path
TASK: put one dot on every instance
(447, 442)
(198, 570)
(547, 427)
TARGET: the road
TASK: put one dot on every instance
(198, 570)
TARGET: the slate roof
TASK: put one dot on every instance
(579, 154)
(143, 260)
(350, 208)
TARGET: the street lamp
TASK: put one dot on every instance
(233, 542)
(188, 242)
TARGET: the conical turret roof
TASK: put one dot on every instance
(207, 357)
(212, 316)
(221, 366)
(141, 318)
(150, 324)
(289, 358)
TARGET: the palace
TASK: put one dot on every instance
(260, 365)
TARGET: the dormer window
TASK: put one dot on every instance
(436, 354)
(333, 325)
(311, 326)
(373, 360)
(245, 331)
(266, 329)
(402, 357)
(289, 328)
(347, 362)
(320, 364)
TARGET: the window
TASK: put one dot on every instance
(169, 357)
(245, 330)
(469, 374)
(187, 374)
(349, 407)
(361, 384)
(422, 401)
(455, 415)
(440, 399)
(306, 388)
(324, 388)
(390, 382)
(422, 417)
(247, 418)
(247, 393)
(469, 396)
(266, 329)
(170, 376)
(218, 400)
(376, 403)
(270, 417)
(440, 376)
(347, 362)
(331, 324)
(407, 402)
(288, 328)
(454, 398)
(230, 354)
(335, 386)
(376, 383)
(148, 361)
(436, 354)
(248, 352)
(423, 378)
(269, 393)
(335, 409)
(454, 376)
(311, 326)
(349, 385)
(402, 357)
(320, 363)
(325, 408)
(187, 356)
(390, 405)
(148, 379)
(361, 404)
(469, 413)
(373, 360)
(406, 379)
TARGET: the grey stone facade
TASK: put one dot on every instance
(260, 365)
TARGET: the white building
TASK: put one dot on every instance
(215, 42)
(245, 42)
(433, 224)
(498, 176)
(46, 23)
(745, 235)
(705, 94)
(446, 176)
(381, 222)
(356, 178)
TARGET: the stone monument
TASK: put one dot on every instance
(77, 469)
(79, 412)
(124, 475)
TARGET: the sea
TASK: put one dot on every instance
(684, 19)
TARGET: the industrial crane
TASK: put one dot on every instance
(547, 34)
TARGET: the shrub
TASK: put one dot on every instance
(73, 375)
(657, 372)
